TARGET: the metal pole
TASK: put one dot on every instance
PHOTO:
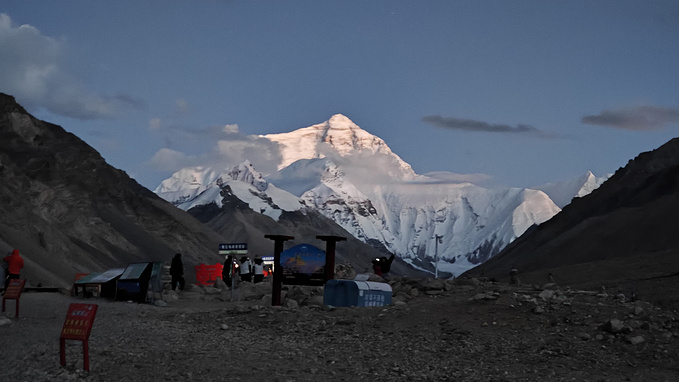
(232, 271)
(436, 253)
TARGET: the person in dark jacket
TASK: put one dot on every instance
(177, 272)
(385, 264)
(227, 270)
(377, 266)
(382, 265)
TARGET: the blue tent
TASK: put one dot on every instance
(303, 264)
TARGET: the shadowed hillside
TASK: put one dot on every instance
(68, 211)
(623, 235)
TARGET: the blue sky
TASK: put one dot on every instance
(524, 92)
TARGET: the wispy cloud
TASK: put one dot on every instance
(454, 178)
(220, 147)
(31, 70)
(182, 106)
(635, 118)
(481, 126)
(171, 160)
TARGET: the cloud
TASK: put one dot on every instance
(450, 177)
(155, 124)
(635, 118)
(370, 168)
(473, 125)
(264, 154)
(219, 147)
(170, 160)
(182, 106)
(31, 70)
(231, 128)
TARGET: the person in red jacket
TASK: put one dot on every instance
(15, 263)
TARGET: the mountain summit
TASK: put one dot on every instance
(338, 136)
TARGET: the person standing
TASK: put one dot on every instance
(245, 269)
(177, 272)
(385, 264)
(227, 270)
(258, 270)
(15, 264)
(382, 265)
(377, 266)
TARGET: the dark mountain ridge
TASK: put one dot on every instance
(624, 234)
(68, 211)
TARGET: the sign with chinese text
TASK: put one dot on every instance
(79, 320)
(233, 249)
(208, 274)
(13, 292)
(14, 289)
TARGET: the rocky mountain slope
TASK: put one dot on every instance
(68, 211)
(624, 233)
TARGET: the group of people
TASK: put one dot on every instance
(246, 269)
(14, 263)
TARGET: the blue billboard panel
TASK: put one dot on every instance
(303, 264)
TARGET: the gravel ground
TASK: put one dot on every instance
(434, 331)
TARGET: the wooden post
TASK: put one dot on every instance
(86, 355)
(330, 255)
(277, 269)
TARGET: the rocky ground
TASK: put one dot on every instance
(467, 330)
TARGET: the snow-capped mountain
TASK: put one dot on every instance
(474, 223)
(562, 193)
(337, 137)
(353, 178)
(191, 187)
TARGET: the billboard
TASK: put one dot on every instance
(303, 264)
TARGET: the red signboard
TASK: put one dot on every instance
(208, 274)
(78, 324)
(14, 289)
(13, 292)
(79, 320)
